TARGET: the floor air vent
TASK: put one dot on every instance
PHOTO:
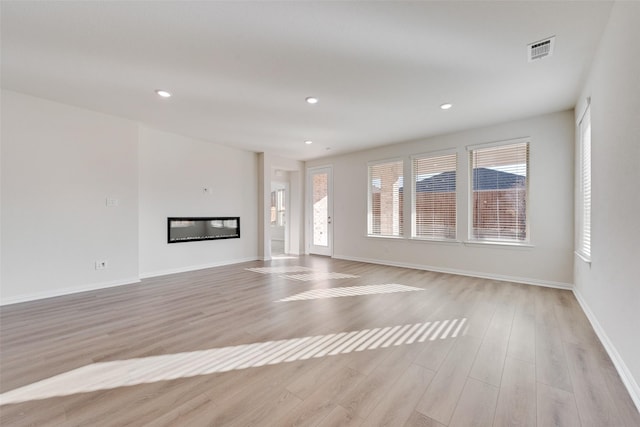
(540, 49)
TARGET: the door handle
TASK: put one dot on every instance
(328, 220)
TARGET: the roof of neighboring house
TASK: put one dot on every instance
(484, 179)
(442, 183)
(491, 179)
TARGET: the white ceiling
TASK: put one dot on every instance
(240, 71)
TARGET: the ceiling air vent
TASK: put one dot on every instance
(540, 49)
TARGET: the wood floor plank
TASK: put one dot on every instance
(398, 404)
(144, 403)
(319, 371)
(434, 353)
(522, 341)
(268, 411)
(627, 410)
(556, 407)
(480, 318)
(188, 317)
(595, 405)
(267, 390)
(517, 399)
(420, 420)
(476, 406)
(489, 361)
(572, 322)
(366, 362)
(340, 417)
(363, 397)
(317, 406)
(33, 413)
(441, 397)
(195, 411)
(551, 362)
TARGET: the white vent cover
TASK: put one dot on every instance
(541, 48)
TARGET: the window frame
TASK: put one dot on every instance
(414, 193)
(493, 241)
(370, 199)
(580, 193)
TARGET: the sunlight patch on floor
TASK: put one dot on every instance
(350, 291)
(121, 373)
(280, 270)
(320, 275)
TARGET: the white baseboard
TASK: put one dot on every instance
(195, 267)
(67, 291)
(104, 285)
(624, 372)
(502, 278)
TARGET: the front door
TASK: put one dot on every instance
(321, 211)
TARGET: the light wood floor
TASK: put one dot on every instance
(456, 351)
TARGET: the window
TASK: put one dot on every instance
(584, 193)
(434, 197)
(278, 207)
(499, 178)
(385, 198)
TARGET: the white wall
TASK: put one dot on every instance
(549, 261)
(174, 170)
(59, 164)
(609, 288)
(296, 219)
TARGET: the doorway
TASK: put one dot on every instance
(279, 219)
(320, 208)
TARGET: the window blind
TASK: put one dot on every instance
(584, 233)
(434, 198)
(386, 198)
(499, 177)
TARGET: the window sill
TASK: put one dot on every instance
(583, 258)
(375, 236)
(486, 243)
(437, 241)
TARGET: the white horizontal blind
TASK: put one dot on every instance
(499, 178)
(386, 198)
(434, 198)
(584, 236)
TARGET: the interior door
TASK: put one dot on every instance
(320, 208)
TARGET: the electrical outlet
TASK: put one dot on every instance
(112, 202)
(101, 265)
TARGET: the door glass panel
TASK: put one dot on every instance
(278, 218)
(320, 212)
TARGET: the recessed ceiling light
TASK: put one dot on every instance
(163, 93)
(308, 142)
(446, 106)
(311, 100)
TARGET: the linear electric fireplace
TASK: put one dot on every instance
(191, 229)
